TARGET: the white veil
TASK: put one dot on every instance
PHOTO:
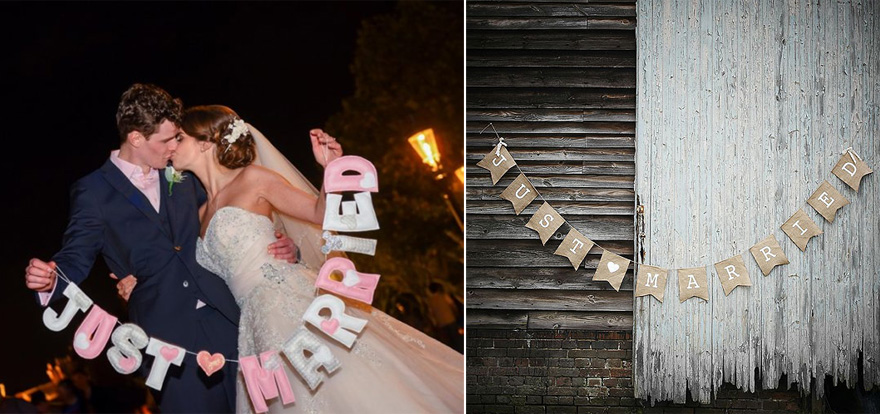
(307, 236)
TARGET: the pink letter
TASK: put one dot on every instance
(264, 381)
(93, 333)
(354, 285)
(364, 180)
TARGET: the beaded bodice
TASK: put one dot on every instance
(391, 368)
(235, 248)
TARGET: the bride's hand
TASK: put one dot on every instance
(125, 285)
(325, 147)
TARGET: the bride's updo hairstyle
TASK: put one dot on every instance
(222, 126)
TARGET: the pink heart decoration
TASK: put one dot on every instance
(127, 364)
(169, 353)
(210, 363)
(330, 325)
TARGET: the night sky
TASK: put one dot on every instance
(283, 66)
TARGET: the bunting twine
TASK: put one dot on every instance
(60, 274)
(732, 272)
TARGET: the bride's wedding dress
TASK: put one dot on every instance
(392, 368)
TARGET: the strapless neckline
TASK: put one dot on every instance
(216, 213)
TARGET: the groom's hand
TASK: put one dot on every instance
(283, 249)
(125, 286)
(39, 276)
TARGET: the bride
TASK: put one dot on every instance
(391, 368)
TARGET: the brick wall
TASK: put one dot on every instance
(730, 400)
(579, 372)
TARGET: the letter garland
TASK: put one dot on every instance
(651, 280)
(264, 375)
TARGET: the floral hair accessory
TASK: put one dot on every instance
(173, 177)
(238, 128)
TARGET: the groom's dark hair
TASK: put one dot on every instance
(143, 107)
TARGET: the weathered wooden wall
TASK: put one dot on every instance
(743, 109)
(557, 80)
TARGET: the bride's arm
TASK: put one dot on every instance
(284, 197)
(290, 200)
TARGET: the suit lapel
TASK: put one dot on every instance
(168, 206)
(165, 207)
(134, 196)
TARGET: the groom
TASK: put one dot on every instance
(126, 211)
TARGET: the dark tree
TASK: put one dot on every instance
(409, 75)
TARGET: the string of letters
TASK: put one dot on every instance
(264, 377)
(693, 282)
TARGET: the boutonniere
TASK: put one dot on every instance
(173, 177)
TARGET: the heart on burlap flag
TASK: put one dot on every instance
(693, 282)
(651, 281)
(732, 273)
(520, 192)
(850, 169)
(545, 221)
(800, 229)
(827, 200)
(612, 269)
(575, 247)
(768, 254)
(497, 161)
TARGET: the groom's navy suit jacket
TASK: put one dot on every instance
(109, 216)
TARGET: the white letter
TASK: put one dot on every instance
(803, 230)
(851, 173)
(497, 161)
(546, 221)
(339, 324)
(357, 215)
(577, 245)
(767, 254)
(731, 270)
(652, 278)
(521, 186)
(125, 356)
(828, 201)
(164, 355)
(77, 301)
(307, 367)
(692, 281)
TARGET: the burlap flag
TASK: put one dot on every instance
(651, 281)
(733, 273)
(827, 200)
(768, 254)
(545, 221)
(612, 268)
(800, 229)
(850, 169)
(520, 192)
(693, 283)
(497, 161)
(575, 247)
